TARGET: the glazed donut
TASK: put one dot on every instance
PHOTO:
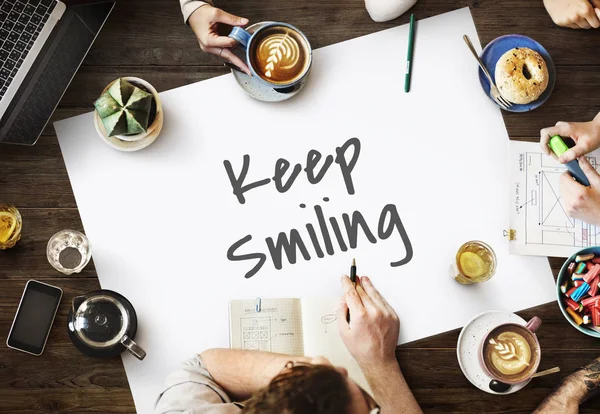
(521, 75)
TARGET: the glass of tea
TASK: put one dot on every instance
(10, 226)
(69, 251)
(475, 263)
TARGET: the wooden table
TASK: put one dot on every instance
(147, 38)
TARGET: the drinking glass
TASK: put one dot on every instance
(475, 263)
(69, 251)
(10, 226)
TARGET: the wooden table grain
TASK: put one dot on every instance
(147, 38)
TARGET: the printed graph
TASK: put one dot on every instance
(547, 221)
(256, 333)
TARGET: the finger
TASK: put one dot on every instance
(580, 149)
(545, 135)
(597, 10)
(230, 56)
(373, 293)
(220, 41)
(562, 129)
(376, 296)
(589, 171)
(573, 26)
(592, 18)
(230, 19)
(566, 182)
(351, 295)
(583, 23)
(364, 298)
(342, 315)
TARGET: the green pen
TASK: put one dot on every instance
(409, 55)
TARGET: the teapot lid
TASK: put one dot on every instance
(101, 321)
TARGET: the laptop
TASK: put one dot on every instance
(42, 44)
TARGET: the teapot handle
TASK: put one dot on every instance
(132, 347)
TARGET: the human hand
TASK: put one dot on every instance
(585, 134)
(582, 202)
(576, 14)
(372, 334)
(205, 21)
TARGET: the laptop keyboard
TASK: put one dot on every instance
(20, 24)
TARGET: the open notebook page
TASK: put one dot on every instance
(321, 337)
(276, 328)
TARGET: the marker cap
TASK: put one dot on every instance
(557, 145)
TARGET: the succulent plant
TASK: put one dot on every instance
(124, 109)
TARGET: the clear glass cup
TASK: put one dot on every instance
(69, 251)
(10, 226)
(475, 263)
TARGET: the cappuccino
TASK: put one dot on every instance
(280, 55)
(511, 353)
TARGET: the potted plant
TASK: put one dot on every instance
(128, 114)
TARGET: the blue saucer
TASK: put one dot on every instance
(497, 47)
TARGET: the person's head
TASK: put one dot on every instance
(317, 388)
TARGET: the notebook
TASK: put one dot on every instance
(295, 326)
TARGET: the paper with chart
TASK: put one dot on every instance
(277, 203)
(277, 327)
(306, 326)
(537, 212)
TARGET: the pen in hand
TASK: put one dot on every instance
(353, 280)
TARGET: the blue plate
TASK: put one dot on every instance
(497, 47)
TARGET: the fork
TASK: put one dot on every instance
(496, 95)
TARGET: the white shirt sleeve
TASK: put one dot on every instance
(190, 6)
(192, 390)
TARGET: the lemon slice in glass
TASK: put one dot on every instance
(8, 223)
(472, 265)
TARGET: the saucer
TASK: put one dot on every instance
(467, 348)
(253, 86)
(496, 48)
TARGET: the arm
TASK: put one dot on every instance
(242, 373)
(371, 337)
(190, 6)
(574, 390)
(575, 14)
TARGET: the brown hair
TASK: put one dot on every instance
(302, 389)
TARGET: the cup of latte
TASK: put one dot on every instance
(511, 353)
(278, 54)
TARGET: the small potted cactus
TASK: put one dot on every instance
(128, 114)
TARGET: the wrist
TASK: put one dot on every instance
(574, 387)
(380, 368)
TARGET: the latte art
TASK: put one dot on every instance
(283, 51)
(280, 55)
(510, 353)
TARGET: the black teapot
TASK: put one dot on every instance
(103, 324)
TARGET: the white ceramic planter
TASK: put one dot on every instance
(138, 141)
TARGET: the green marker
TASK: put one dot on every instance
(409, 55)
(558, 146)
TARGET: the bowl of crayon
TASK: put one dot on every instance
(578, 290)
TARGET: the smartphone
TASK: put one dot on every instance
(35, 315)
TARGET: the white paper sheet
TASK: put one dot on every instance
(162, 220)
(537, 211)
